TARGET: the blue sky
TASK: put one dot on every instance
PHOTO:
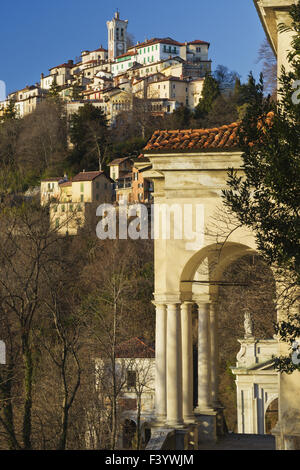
(36, 35)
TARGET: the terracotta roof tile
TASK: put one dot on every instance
(87, 176)
(220, 138)
(117, 161)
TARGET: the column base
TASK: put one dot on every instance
(286, 440)
(190, 419)
(158, 421)
(175, 424)
(207, 424)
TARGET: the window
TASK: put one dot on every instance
(81, 198)
(63, 208)
(105, 186)
(57, 223)
(81, 187)
(97, 197)
(131, 378)
(97, 185)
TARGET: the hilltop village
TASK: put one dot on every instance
(164, 72)
(161, 74)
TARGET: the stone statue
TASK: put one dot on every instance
(248, 325)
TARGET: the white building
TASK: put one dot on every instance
(156, 50)
(256, 384)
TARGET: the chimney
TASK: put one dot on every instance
(70, 62)
(42, 76)
(83, 171)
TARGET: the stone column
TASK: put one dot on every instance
(214, 349)
(187, 362)
(174, 367)
(204, 365)
(161, 363)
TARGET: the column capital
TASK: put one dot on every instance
(168, 298)
(202, 299)
(158, 304)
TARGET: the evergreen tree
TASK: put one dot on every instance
(90, 137)
(10, 112)
(180, 118)
(211, 90)
(76, 91)
(267, 197)
(54, 90)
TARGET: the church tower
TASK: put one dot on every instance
(117, 36)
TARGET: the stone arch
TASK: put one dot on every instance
(128, 432)
(200, 284)
(271, 413)
(213, 259)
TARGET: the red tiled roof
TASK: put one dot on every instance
(152, 41)
(101, 49)
(117, 161)
(135, 347)
(218, 138)
(87, 176)
(70, 66)
(127, 54)
(198, 41)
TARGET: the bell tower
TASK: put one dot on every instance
(117, 36)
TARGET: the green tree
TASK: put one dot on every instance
(76, 91)
(266, 198)
(53, 92)
(211, 90)
(10, 112)
(90, 137)
(180, 118)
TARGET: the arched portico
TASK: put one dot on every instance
(187, 272)
(198, 286)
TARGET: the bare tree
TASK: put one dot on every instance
(269, 67)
